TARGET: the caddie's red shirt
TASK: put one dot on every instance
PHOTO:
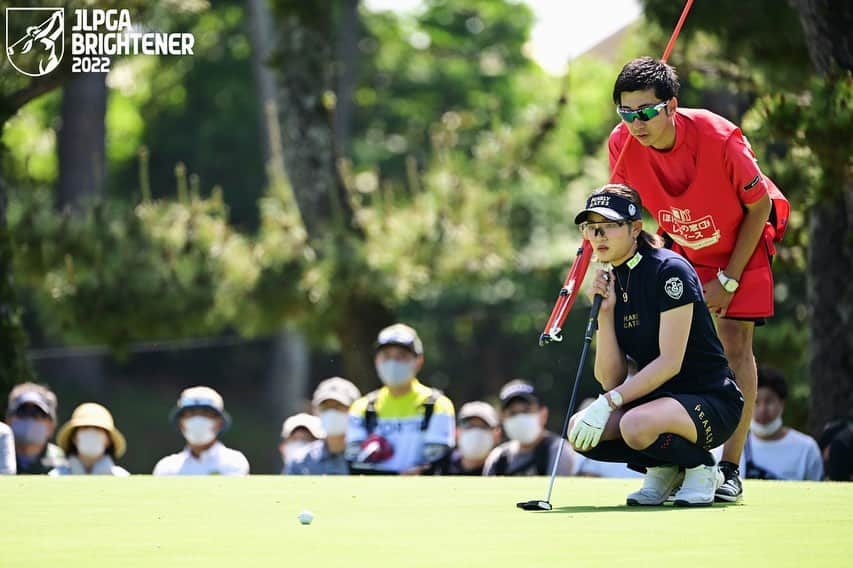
(697, 190)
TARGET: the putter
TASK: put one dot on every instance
(591, 326)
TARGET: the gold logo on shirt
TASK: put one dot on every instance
(631, 320)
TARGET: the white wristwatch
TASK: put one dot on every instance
(729, 284)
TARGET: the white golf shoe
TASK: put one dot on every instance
(700, 484)
(657, 486)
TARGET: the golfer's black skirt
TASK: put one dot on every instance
(715, 410)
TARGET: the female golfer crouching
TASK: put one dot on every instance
(683, 400)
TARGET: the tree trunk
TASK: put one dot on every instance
(304, 53)
(830, 297)
(260, 34)
(828, 28)
(290, 357)
(82, 160)
(347, 73)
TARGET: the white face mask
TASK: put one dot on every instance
(394, 373)
(766, 430)
(475, 443)
(199, 430)
(524, 428)
(334, 422)
(90, 442)
(293, 449)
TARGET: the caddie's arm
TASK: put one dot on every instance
(747, 239)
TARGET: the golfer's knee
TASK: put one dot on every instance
(635, 431)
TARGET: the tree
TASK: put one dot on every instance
(828, 28)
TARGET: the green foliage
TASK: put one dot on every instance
(196, 110)
(455, 69)
(121, 273)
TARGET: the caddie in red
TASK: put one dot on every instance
(698, 178)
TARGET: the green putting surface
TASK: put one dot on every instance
(406, 522)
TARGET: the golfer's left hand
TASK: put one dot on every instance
(587, 430)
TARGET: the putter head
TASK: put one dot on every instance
(535, 505)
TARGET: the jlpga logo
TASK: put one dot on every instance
(35, 39)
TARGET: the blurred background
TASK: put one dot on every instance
(249, 217)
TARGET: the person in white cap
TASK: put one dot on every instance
(331, 401)
(201, 418)
(405, 427)
(92, 443)
(31, 414)
(477, 433)
(297, 433)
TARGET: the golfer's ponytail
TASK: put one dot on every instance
(644, 238)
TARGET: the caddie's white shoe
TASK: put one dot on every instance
(699, 486)
(657, 485)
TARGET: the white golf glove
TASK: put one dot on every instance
(587, 430)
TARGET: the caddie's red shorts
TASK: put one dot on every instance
(753, 299)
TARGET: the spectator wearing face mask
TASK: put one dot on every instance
(405, 427)
(298, 433)
(201, 418)
(31, 414)
(331, 401)
(91, 441)
(531, 449)
(772, 450)
(477, 433)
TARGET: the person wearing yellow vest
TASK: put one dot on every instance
(405, 427)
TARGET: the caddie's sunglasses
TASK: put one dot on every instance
(644, 114)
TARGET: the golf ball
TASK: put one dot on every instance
(305, 517)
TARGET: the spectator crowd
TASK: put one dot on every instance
(402, 428)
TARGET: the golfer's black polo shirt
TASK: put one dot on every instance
(661, 280)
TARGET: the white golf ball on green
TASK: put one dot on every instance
(305, 517)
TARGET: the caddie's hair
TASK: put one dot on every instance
(646, 73)
(774, 380)
(631, 194)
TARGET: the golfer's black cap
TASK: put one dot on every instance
(610, 206)
(517, 389)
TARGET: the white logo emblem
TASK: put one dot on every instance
(674, 288)
(632, 209)
(39, 39)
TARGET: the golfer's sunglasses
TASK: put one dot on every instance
(590, 228)
(644, 114)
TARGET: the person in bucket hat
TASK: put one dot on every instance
(201, 418)
(91, 442)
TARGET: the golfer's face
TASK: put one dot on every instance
(649, 132)
(609, 240)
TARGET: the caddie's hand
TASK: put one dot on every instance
(716, 297)
(586, 433)
(603, 284)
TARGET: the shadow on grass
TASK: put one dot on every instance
(576, 509)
